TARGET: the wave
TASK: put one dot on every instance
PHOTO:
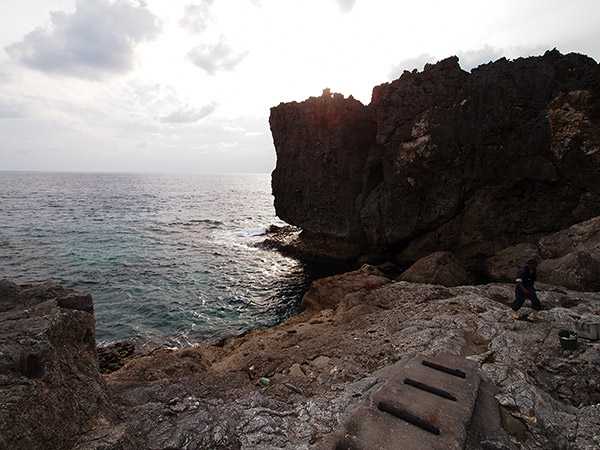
(242, 237)
(194, 222)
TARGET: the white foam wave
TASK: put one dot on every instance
(240, 238)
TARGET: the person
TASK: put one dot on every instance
(525, 289)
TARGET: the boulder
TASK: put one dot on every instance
(578, 270)
(569, 258)
(52, 392)
(584, 236)
(505, 264)
(326, 293)
(443, 160)
(438, 268)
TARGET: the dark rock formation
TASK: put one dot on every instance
(51, 390)
(325, 137)
(443, 160)
(569, 258)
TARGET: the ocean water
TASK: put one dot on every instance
(170, 259)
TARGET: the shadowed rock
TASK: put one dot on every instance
(569, 258)
(443, 160)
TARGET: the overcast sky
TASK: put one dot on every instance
(181, 86)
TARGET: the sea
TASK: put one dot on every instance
(170, 259)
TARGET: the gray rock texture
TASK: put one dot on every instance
(51, 389)
(325, 362)
(443, 160)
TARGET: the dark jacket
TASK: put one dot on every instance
(526, 276)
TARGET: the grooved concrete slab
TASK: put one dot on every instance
(418, 407)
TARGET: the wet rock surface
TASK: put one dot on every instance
(442, 160)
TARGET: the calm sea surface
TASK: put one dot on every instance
(169, 259)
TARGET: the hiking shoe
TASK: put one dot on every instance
(536, 316)
(515, 314)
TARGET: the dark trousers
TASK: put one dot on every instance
(520, 298)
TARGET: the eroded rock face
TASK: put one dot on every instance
(325, 138)
(445, 160)
(51, 390)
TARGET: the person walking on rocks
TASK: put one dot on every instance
(525, 289)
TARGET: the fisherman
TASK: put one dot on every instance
(525, 289)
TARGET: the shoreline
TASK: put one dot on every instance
(327, 361)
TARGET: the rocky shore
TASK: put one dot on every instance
(321, 365)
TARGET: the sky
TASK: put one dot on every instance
(187, 86)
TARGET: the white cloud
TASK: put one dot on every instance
(186, 114)
(4, 77)
(346, 5)
(468, 59)
(410, 64)
(216, 57)
(9, 109)
(197, 17)
(96, 40)
(472, 58)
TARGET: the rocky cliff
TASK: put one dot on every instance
(442, 160)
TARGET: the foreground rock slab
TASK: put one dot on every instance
(424, 404)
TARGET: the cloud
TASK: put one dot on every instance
(197, 17)
(217, 57)
(468, 59)
(346, 5)
(96, 40)
(10, 110)
(411, 64)
(185, 114)
(473, 58)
